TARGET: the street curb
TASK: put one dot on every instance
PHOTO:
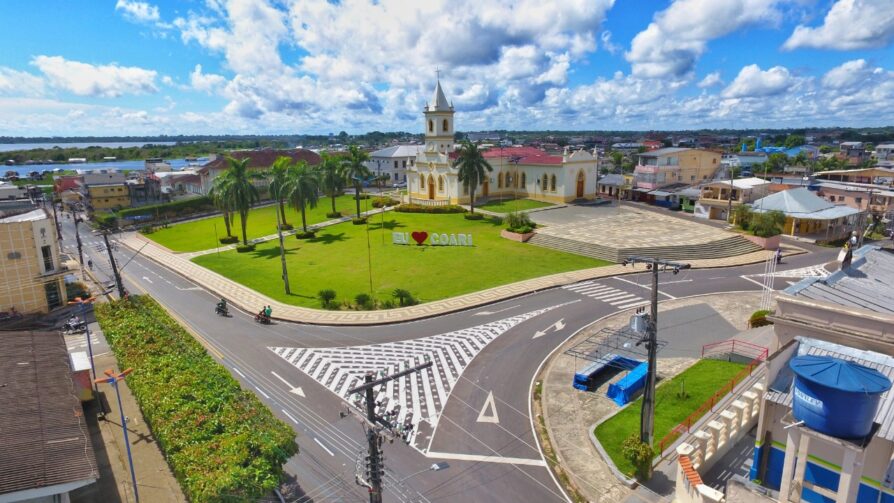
(630, 483)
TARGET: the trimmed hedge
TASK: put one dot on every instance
(336, 214)
(245, 248)
(418, 208)
(305, 235)
(474, 216)
(380, 202)
(228, 240)
(759, 319)
(221, 442)
(191, 205)
(358, 220)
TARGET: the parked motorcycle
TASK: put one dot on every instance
(71, 326)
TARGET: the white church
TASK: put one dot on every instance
(518, 172)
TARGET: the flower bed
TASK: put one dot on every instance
(221, 442)
(516, 236)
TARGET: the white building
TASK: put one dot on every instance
(393, 162)
(522, 172)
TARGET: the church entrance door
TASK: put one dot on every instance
(484, 189)
(580, 184)
(431, 188)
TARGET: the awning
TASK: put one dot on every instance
(640, 189)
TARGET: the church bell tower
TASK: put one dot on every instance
(439, 123)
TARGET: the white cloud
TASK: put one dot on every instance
(16, 83)
(206, 82)
(678, 35)
(849, 25)
(849, 74)
(754, 82)
(84, 79)
(138, 11)
(712, 79)
(607, 44)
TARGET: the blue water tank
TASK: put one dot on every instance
(836, 397)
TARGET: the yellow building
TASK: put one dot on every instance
(675, 165)
(31, 275)
(108, 196)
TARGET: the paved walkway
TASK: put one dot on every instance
(569, 414)
(248, 299)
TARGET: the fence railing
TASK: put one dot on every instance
(734, 346)
(685, 426)
(429, 202)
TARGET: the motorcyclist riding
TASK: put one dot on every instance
(222, 307)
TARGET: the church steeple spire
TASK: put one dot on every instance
(439, 101)
(439, 122)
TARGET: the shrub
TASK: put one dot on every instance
(759, 319)
(305, 235)
(147, 229)
(326, 297)
(387, 304)
(245, 248)
(380, 202)
(286, 227)
(404, 297)
(358, 220)
(521, 230)
(640, 455)
(742, 216)
(767, 224)
(105, 220)
(181, 207)
(418, 208)
(473, 216)
(516, 220)
(336, 214)
(363, 301)
(228, 240)
(221, 442)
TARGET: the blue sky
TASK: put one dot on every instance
(130, 67)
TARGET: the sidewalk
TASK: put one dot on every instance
(569, 415)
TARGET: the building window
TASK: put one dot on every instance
(421, 181)
(47, 253)
(500, 181)
(445, 126)
(54, 300)
(544, 182)
(431, 126)
(405, 164)
(859, 200)
(552, 183)
(523, 180)
(440, 184)
(395, 164)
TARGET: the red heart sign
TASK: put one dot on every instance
(420, 237)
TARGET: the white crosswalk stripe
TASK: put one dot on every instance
(412, 398)
(610, 295)
(79, 341)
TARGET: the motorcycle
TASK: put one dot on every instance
(222, 311)
(262, 319)
(73, 326)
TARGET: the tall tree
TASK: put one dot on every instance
(617, 159)
(355, 171)
(278, 177)
(241, 192)
(303, 189)
(331, 179)
(473, 168)
(220, 197)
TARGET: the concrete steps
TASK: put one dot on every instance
(721, 248)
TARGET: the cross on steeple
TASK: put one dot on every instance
(438, 72)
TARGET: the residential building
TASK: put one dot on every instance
(258, 161)
(30, 269)
(877, 200)
(854, 152)
(392, 162)
(157, 165)
(12, 191)
(107, 196)
(718, 196)
(104, 176)
(876, 175)
(885, 152)
(46, 451)
(744, 160)
(809, 216)
(675, 165)
(614, 186)
(144, 189)
(173, 184)
(517, 171)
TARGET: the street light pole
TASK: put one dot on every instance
(113, 380)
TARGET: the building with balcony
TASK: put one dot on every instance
(877, 200)
(885, 152)
(809, 216)
(717, 197)
(30, 269)
(665, 166)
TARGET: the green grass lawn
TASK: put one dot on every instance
(700, 381)
(337, 259)
(200, 234)
(510, 205)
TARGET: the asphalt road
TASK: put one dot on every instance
(471, 408)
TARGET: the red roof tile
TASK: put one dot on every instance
(526, 155)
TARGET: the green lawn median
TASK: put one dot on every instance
(675, 400)
(203, 234)
(510, 205)
(340, 258)
(221, 442)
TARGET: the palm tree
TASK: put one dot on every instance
(220, 197)
(472, 166)
(241, 192)
(330, 176)
(278, 178)
(302, 189)
(355, 171)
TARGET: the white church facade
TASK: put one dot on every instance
(518, 172)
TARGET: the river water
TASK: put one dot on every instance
(6, 147)
(24, 170)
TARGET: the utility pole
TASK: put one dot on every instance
(56, 220)
(375, 466)
(729, 206)
(77, 220)
(118, 283)
(647, 416)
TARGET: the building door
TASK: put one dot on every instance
(431, 187)
(484, 189)
(580, 184)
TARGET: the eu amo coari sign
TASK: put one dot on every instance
(434, 239)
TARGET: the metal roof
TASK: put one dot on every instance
(742, 183)
(612, 179)
(398, 151)
(867, 284)
(664, 151)
(659, 193)
(780, 391)
(42, 427)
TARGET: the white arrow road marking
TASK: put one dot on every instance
(147, 280)
(492, 416)
(292, 389)
(485, 313)
(559, 325)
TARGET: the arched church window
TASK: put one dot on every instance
(421, 181)
(431, 126)
(552, 183)
(544, 182)
(440, 184)
(523, 180)
(500, 181)
(445, 126)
